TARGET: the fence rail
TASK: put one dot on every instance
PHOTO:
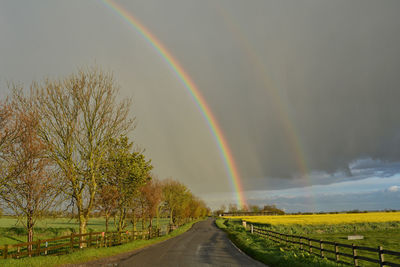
(69, 243)
(319, 247)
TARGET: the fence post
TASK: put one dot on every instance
(38, 247)
(5, 251)
(337, 252)
(252, 228)
(301, 243)
(72, 242)
(321, 247)
(45, 250)
(18, 251)
(89, 244)
(354, 255)
(381, 257)
(309, 245)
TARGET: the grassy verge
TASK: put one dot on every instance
(269, 252)
(386, 234)
(92, 253)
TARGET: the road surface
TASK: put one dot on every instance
(203, 245)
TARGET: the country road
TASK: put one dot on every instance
(203, 245)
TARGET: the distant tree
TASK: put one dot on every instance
(272, 209)
(232, 208)
(254, 208)
(223, 208)
(220, 211)
(244, 208)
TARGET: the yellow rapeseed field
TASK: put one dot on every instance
(342, 218)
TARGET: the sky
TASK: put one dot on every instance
(305, 92)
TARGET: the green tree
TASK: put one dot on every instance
(127, 172)
(175, 198)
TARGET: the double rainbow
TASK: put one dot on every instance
(205, 110)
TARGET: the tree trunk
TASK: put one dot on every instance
(134, 222)
(150, 226)
(82, 227)
(107, 217)
(82, 224)
(29, 226)
(158, 217)
(121, 220)
(171, 222)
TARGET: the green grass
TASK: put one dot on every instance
(269, 252)
(12, 231)
(375, 234)
(389, 239)
(90, 254)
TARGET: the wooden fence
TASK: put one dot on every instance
(330, 250)
(70, 243)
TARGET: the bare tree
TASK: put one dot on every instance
(31, 188)
(8, 132)
(80, 115)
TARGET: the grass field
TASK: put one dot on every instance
(12, 232)
(378, 228)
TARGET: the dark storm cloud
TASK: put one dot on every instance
(290, 81)
(335, 66)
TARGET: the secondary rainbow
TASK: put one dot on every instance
(205, 110)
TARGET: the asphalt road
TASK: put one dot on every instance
(203, 245)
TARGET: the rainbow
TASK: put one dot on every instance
(282, 110)
(205, 110)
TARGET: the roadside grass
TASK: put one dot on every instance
(386, 234)
(266, 251)
(12, 231)
(92, 253)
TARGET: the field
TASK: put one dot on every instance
(340, 218)
(12, 232)
(378, 228)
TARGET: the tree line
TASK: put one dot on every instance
(64, 145)
(234, 209)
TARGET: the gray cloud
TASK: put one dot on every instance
(320, 74)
